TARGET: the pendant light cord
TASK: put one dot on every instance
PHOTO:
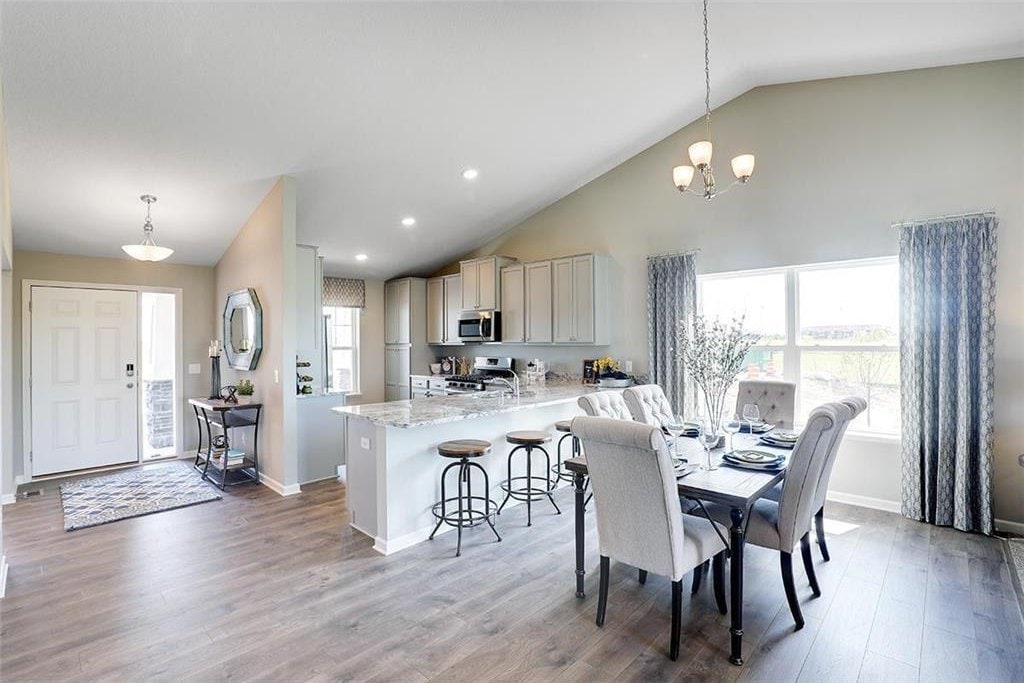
(707, 74)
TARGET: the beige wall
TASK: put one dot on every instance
(837, 162)
(196, 283)
(6, 338)
(371, 346)
(262, 256)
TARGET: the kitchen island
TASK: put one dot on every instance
(393, 466)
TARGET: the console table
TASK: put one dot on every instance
(218, 463)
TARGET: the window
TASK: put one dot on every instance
(342, 325)
(831, 328)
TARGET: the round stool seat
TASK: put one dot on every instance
(564, 426)
(528, 438)
(464, 448)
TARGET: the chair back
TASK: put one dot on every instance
(775, 399)
(648, 404)
(605, 404)
(636, 501)
(803, 471)
(855, 405)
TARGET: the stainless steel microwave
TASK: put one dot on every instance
(480, 326)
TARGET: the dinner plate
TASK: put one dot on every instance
(766, 440)
(754, 457)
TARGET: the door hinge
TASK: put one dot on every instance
(30, 305)
(30, 459)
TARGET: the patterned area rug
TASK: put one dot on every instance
(1015, 546)
(99, 500)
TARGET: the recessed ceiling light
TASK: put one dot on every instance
(361, 257)
(408, 221)
(470, 174)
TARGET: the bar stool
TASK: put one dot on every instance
(528, 441)
(468, 513)
(565, 426)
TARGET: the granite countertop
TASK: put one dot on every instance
(421, 412)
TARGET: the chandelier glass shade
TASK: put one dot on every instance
(147, 250)
(700, 153)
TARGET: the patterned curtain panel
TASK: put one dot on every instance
(339, 291)
(671, 301)
(947, 329)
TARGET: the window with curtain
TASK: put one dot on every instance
(832, 328)
(343, 301)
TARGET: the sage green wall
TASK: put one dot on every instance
(837, 162)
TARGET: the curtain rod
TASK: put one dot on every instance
(986, 212)
(674, 253)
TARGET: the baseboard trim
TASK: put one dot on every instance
(1012, 527)
(3, 575)
(864, 501)
(8, 499)
(279, 488)
(390, 547)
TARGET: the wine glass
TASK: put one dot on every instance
(752, 414)
(709, 437)
(731, 426)
(675, 426)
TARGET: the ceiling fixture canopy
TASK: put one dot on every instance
(147, 250)
(700, 152)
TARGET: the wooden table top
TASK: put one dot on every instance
(727, 485)
(220, 405)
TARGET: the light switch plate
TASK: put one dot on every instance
(628, 366)
(364, 443)
(194, 368)
(277, 378)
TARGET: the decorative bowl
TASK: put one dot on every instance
(610, 383)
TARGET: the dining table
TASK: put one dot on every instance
(727, 485)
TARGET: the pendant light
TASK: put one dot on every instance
(700, 152)
(147, 250)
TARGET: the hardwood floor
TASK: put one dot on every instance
(259, 586)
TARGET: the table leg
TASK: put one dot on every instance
(579, 484)
(736, 540)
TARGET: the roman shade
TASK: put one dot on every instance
(340, 291)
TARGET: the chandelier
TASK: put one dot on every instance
(147, 250)
(700, 152)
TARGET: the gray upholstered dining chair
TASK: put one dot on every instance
(648, 404)
(639, 519)
(775, 399)
(605, 404)
(781, 525)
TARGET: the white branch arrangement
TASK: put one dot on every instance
(712, 353)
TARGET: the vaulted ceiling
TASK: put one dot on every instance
(376, 108)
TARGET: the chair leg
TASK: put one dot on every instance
(602, 596)
(643, 576)
(698, 574)
(677, 619)
(718, 577)
(805, 550)
(819, 527)
(786, 560)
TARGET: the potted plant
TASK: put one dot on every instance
(609, 373)
(712, 353)
(245, 387)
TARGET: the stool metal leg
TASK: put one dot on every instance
(444, 513)
(487, 499)
(547, 456)
(462, 473)
(529, 483)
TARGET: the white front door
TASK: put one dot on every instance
(84, 378)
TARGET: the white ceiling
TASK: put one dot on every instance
(376, 108)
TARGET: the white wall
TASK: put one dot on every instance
(838, 161)
(6, 338)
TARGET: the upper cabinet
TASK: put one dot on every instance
(397, 311)
(538, 302)
(444, 303)
(579, 299)
(481, 285)
(513, 305)
(309, 286)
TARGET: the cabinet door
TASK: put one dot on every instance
(470, 285)
(396, 366)
(453, 308)
(513, 305)
(562, 300)
(405, 311)
(435, 311)
(487, 284)
(391, 313)
(583, 299)
(538, 302)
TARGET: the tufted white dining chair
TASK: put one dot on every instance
(775, 399)
(781, 525)
(605, 404)
(648, 404)
(639, 519)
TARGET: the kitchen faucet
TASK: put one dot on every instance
(514, 386)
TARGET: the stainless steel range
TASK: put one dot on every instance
(489, 372)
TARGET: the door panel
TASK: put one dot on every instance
(583, 299)
(487, 298)
(84, 404)
(562, 281)
(513, 305)
(538, 302)
(452, 308)
(435, 311)
(470, 286)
